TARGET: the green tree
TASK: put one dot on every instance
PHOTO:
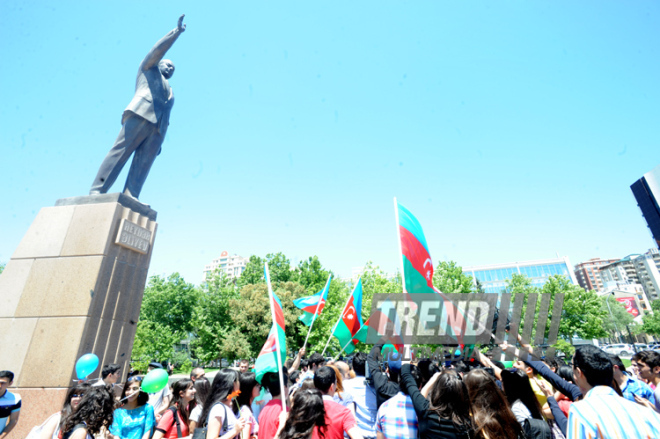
(170, 302)
(153, 341)
(582, 315)
(619, 319)
(251, 315)
(279, 267)
(212, 314)
(449, 278)
(311, 275)
(478, 287)
(652, 321)
(2, 267)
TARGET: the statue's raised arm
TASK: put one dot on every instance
(162, 46)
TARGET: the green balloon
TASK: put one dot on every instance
(508, 364)
(155, 381)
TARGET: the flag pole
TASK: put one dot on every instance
(277, 340)
(342, 349)
(316, 311)
(398, 234)
(340, 316)
(330, 337)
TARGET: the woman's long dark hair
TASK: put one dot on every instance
(78, 389)
(95, 410)
(143, 397)
(202, 388)
(449, 399)
(223, 385)
(307, 411)
(490, 409)
(248, 380)
(517, 387)
(565, 372)
(180, 387)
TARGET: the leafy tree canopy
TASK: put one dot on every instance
(449, 278)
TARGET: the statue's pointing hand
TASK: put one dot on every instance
(181, 26)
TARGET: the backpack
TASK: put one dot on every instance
(536, 429)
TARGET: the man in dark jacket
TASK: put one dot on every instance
(386, 386)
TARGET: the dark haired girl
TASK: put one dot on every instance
(307, 414)
(217, 413)
(520, 395)
(183, 401)
(50, 429)
(250, 389)
(202, 390)
(446, 414)
(493, 418)
(93, 413)
(135, 419)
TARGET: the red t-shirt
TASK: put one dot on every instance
(269, 419)
(168, 426)
(338, 418)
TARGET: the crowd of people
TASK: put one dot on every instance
(371, 396)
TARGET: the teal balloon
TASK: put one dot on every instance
(155, 381)
(86, 365)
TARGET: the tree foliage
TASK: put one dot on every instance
(652, 321)
(449, 278)
(170, 302)
(619, 319)
(212, 315)
(582, 315)
(153, 341)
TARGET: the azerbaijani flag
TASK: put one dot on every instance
(351, 320)
(311, 306)
(417, 263)
(418, 270)
(267, 360)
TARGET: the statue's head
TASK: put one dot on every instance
(166, 68)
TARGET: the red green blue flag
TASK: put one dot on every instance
(351, 320)
(313, 305)
(417, 263)
(418, 268)
(268, 360)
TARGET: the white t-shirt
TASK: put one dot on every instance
(156, 399)
(246, 413)
(196, 413)
(218, 411)
(520, 411)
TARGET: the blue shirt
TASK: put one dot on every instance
(133, 424)
(397, 418)
(365, 405)
(603, 414)
(634, 387)
(9, 403)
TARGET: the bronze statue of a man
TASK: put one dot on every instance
(144, 122)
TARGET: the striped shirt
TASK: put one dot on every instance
(397, 418)
(603, 414)
(9, 403)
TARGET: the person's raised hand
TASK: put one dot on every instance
(180, 25)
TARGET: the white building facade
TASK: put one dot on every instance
(232, 265)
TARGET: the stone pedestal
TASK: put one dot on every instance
(74, 285)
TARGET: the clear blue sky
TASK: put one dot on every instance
(512, 130)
